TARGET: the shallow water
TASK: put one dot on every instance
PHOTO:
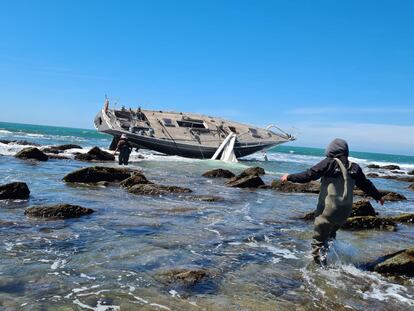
(257, 253)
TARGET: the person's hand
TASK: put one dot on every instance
(381, 201)
(284, 178)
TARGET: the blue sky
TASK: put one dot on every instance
(319, 68)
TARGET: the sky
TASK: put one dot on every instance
(319, 69)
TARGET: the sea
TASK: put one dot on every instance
(252, 244)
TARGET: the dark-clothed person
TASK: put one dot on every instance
(339, 176)
(124, 148)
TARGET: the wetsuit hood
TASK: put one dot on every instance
(338, 148)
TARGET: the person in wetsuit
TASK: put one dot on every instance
(124, 148)
(339, 176)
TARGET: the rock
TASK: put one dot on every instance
(359, 208)
(218, 173)
(32, 153)
(369, 222)
(362, 208)
(186, 277)
(373, 166)
(14, 191)
(411, 172)
(95, 154)
(400, 263)
(310, 187)
(387, 195)
(390, 167)
(394, 177)
(57, 157)
(58, 211)
(245, 182)
(96, 174)
(60, 148)
(406, 179)
(252, 171)
(403, 218)
(373, 175)
(398, 172)
(135, 179)
(154, 189)
(411, 187)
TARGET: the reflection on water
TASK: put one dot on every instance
(255, 251)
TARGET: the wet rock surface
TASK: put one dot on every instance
(59, 211)
(411, 187)
(57, 157)
(403, 218)
(411, 172)
(369, 222)
(375, 166)
(390, 167)
(362, 208)
(290, 187)
(14, 191)
(95, 155)
(60, 148)
(394, 177)
(219, 173)
(203, 198)
(95, 174)
(32, 153)
(252, 171)
(387, 195)
(154, 189)
(398, 264)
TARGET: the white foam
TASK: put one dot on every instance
(60, 263)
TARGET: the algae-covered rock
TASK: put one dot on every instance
(250, 181)
(32, 153)
(154, 189)
(290, 187)
(369, 222)
(203, 198)
(252, 171)
(135, 179)
(403, 218)
(218, 173)
(96, 174)
(95, 155)
(58, 211)
(183, 276)
(14, 191)
(399, 264)
(362, 208)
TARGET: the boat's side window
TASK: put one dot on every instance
(192, 124)
(254, 133)
(168, 122)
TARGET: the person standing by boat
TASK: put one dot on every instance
(339, 176)
(124, 148)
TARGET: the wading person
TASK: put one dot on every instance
(339, 176)
(124, 148)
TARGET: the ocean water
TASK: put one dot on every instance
(252, 244)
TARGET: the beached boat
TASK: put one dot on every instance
(186, 134)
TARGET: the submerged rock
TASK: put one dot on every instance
(95, 174)
(32, 153)
(400, 263)
(95, 154)
(135, 179)
(187, 277)
(57, 157)
(154, 189)
(290, 187)
(60, 148)
(394, 177)
(411, 172)
(58, 211)
(245, 182)
(219, 173)
(14, 191)
(204, 198)
(369, 222)
(373, 166)
(390, 167)
(387, 195)
(18, 142)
